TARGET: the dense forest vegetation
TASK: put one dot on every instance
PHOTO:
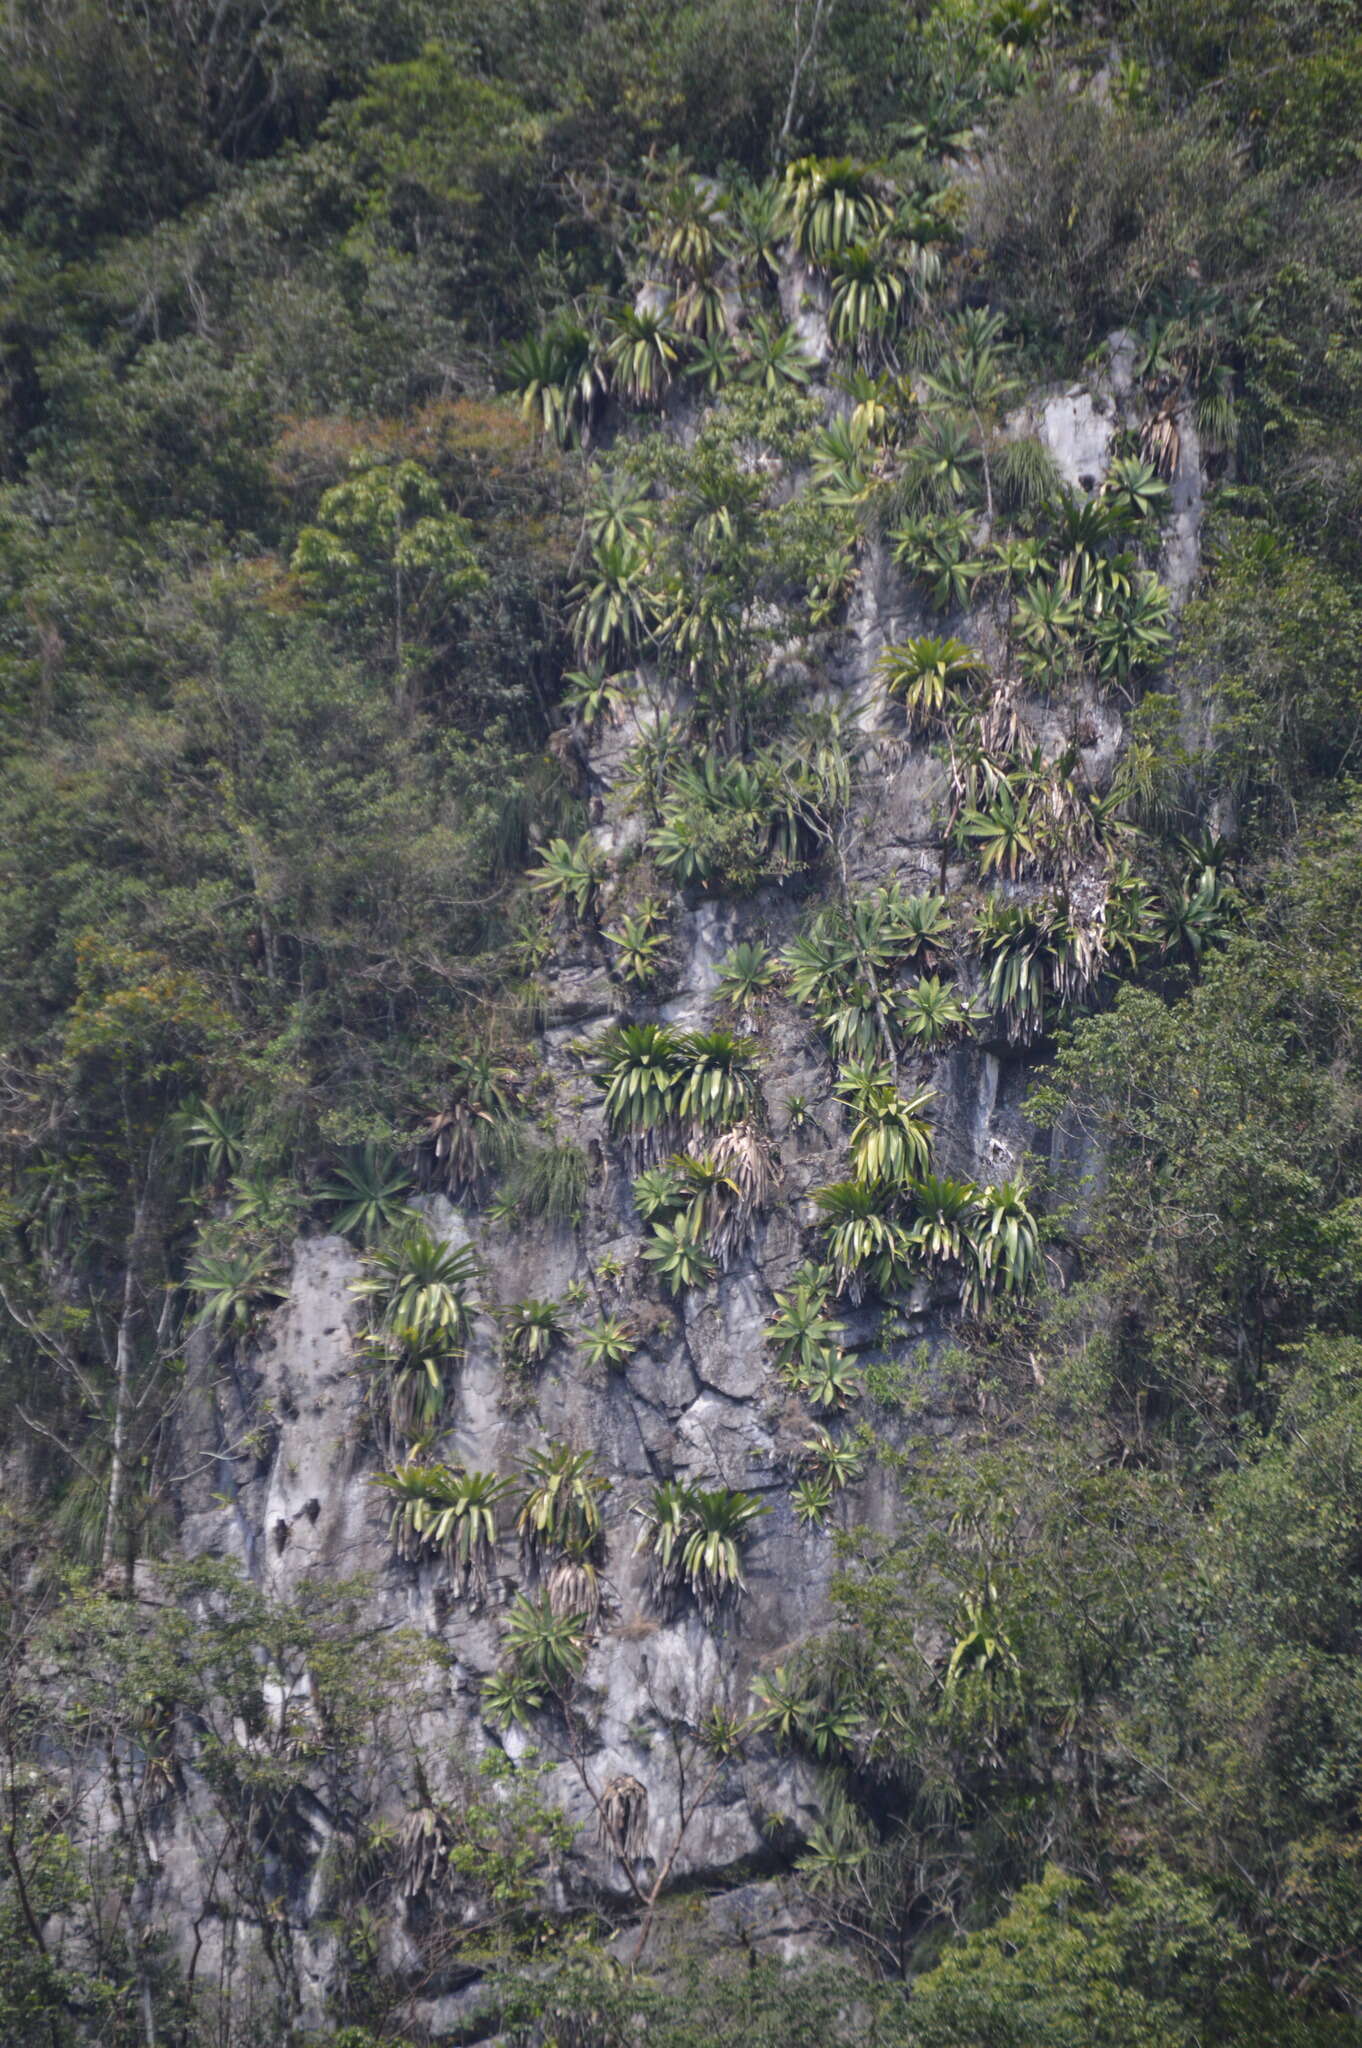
(338, 346)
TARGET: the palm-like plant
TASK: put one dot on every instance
(1004, 834)
(532, 1328)
(774, 356)
(369, 1192)
(1004, 1243)
(933, 1013)
(559, 379)
(560, 1511)
(830, 206)
(1199, 914)
(747, 975)
(569, 874)
(418, 1287)
(215, 1133)
(924, 673)
(615, 602)
(661, 1192)
(1015, 941)
(718, 1521)
(811, 1500)
(478, 1101)
(233, 1288)
(640, 946)
(719, 1079)
(1136, 489)
(800, 1331)
(609, 1342)
(440, 1510)
(547, 1648)
(640, 1067)
(936, 547)
(944, 1209)
(678, 1255)
(1045, 617)
(866, 1245)
(664, 1515)
(892, 1139)
(869, 285)
(642, 353)
(839, 454)
(941, 466)
(1135, 634)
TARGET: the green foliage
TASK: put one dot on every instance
(369, 1192)
(609, 1342)
(439, 1510)
(547, 1649)
(233, 1289)
(530, 1330)
(693, 1538)
(418, 1287)
(560, 1504)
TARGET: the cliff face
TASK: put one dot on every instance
(281, 1447)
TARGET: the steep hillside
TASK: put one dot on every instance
(679, 987)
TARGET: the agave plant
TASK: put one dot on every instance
(438, 1510)
(560, 1511)
(531, 1329)
(478, 1102)
(1004, 1243)
(685, 224)
(215, 1132)
(641, 1067)
(265, 1204)
(941, 466)
(547, 1648)
(369, 1192)
(1136, 489)
(718, 1521)
(830, 206)
(924, 673)
(233, 1288)
(866, 1244)
(943, 1214)
(719, 1079)
(678, 1255)
(1004, 835)
(1134, 635)
(640, 945)
(870, 283)
(932, 1013)
(936, 548)
(713, 362)
(892, 1140)
(418, 1287)
(664, 1516)
(615, 602)
(839, 1464)
(811, 1500)
(1016, 944)
(642, 353)
(609, 1342)
(569, 874)
(774, 356)
(831, 1383)
(512, 1699)
(619, 513)
(1196, 916)
(661, 1192)
(747, 975)
(800, 1331)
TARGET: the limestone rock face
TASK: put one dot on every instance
(281, 1448)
